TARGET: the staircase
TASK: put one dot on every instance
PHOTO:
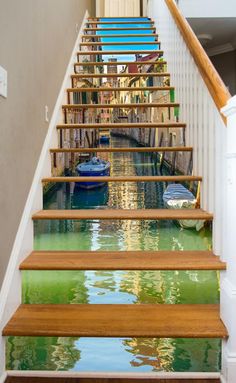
(118, 320)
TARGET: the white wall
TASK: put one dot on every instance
(36, 39)
(208, 8)
(225, 64)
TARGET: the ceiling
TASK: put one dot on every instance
(222, 31)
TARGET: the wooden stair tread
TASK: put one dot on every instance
(120, 89)
(122, 179)
(121, 320)
(100, 43)
(120, 63)
(118, 36)
(146, 125)
(134, 214)
(144, 149)
(122, 260)
(37, 379)
(125, 52)
(106, 379)
(119, 17)
(144, 28)
(106, 75)
(118, 22)
(123, 105)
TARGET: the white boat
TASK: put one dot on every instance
(176, 196)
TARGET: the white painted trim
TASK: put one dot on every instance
(3, 377)
(107, 375)
(220, 49)
(228, 365)
(230, 108)
(100, 4)
(10, 295)
(230, 155)
(228, 280)
(229, 288)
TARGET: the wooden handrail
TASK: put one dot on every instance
(212, 79)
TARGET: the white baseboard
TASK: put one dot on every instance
(3, 377)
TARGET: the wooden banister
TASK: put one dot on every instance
(212, 79)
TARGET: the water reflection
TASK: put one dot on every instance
(109, 287)
(88, 199)
(114, 195)
(113, 354)
(118, 235)
(74, 287)
(31, 353)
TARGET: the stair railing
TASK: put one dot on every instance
(204, 105)
(10, 295)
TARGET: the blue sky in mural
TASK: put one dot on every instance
(123, 37)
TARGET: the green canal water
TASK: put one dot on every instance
(159, 287)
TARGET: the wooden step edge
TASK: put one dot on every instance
(106, 75)
(48, 377)
(118, 53)
(124, 106)
(92, 43)
(121, 89)
(122, 125)
(118, 320)
(120, 29)
(120, 22)
(122, 179)
(124, 150)
(118, 17)
(119, 36)
(122, 214)
(122, 260)
(93, 63)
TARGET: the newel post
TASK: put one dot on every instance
(228, 278)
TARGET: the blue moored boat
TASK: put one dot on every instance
(94, 168)
(104, 139)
